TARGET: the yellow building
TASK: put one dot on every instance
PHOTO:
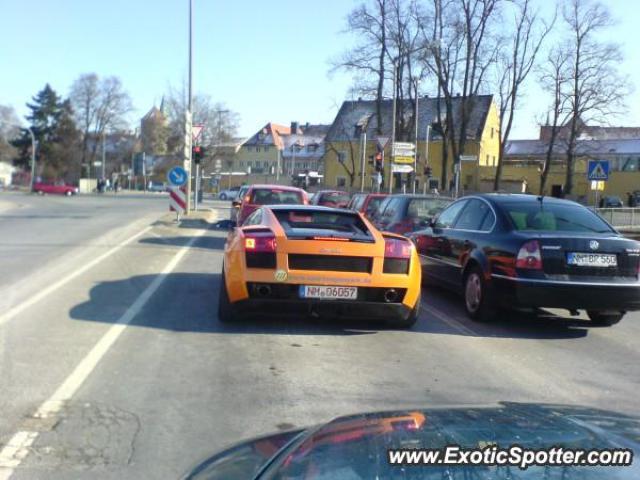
(357, 119)
(524, 160)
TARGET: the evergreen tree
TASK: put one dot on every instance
(43, 118)
(64, 155)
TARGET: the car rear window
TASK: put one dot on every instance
(426, 208)
(335, 197)
(346, 222)
(374, 205)
(552, 217)
(269, 196)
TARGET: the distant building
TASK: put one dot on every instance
(355, 119)
(276, 154)
(524, 160)
(303, 152)
(6, 174)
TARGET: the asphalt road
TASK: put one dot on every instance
(119, 369)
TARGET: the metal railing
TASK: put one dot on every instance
(625, 218)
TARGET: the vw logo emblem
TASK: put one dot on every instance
(593, 245)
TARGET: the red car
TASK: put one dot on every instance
(55, 188)
(331, 198)
(268, 195)
(366, 203)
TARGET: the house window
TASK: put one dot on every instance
(341, 182)
(630, 165)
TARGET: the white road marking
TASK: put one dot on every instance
(16, 450)
(443, 317)
(17, 309)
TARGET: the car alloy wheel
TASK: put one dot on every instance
(223, 197)
(473, 292)
(478, 296)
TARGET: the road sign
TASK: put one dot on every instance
(598, 170)
(382, 141)
(178, 199)
(177, 176)
(403, 149)
(468, 158)
(598, 186)
(404, 160)
(196, 130)
(97, 164)
(395, 168)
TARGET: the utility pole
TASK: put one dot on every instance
(415, 154)
(363, 154)
(393, 127)
(188, 135)
(426, 153)
(104, 156)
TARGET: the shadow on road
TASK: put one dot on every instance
(204, 242)
(188, 302)
(505, 324)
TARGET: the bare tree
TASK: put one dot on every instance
(594, 90)
(514, 63)
(462, 44)
(553, 79)
(220, 123)
(9, 130)
(100, 106)
(367, 60)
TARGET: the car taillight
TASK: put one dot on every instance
(259, 242)
(397, 248)
(529, 256)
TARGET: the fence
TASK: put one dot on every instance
(622, 218)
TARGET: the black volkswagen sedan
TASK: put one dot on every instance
(507, 250)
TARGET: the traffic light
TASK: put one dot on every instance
(379, 158)
(428, 172)
(197, 154)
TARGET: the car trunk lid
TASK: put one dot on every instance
(588, 255)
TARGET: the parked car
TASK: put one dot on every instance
(407, 213)
(56, 188)
(366, 203)
(331, 198)
(511, 250)
(157, 187)
(228, 194)
(611, 201)
(258, 195)
(236, 202)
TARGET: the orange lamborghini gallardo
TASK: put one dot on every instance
(319, 261)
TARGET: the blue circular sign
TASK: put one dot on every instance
(177, 176)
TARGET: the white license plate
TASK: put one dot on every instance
(328, 293)
(592, 259)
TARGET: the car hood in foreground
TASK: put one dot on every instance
(355, 447)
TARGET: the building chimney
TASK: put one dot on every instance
(294, 128)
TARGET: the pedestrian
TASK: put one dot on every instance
(630, 201)
(115, 186)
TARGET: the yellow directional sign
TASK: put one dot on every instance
(404, 160)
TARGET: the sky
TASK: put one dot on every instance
(267, 61)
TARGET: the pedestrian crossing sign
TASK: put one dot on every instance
(598, 170)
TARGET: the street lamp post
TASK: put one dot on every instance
(33, 158)
(393, 127)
